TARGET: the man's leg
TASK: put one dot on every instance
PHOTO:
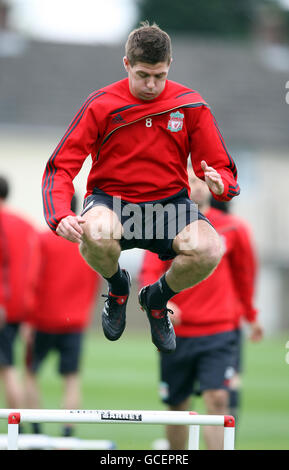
(33, 397)
(199, 250)
(216, 402)
(38, 346)
(100, 245)
(71, 398)
(215, 368)
(100, 248)
(71, 393)
(235, 388)
(177, 377)
(8, 372)
(235, 385)
(178, 435)
(12, 387)
(70, 347)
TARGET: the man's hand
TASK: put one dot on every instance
(2, 316)
(71, 228)
(27, 333)
(256, 333)
(212, 178)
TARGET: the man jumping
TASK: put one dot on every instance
(140, 132)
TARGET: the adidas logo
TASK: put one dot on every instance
(117, 119)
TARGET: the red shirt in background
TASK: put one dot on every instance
(218, 303)
(67, 287)
(19, 264)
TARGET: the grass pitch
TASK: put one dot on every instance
(124, 375)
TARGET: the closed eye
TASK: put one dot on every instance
(146, 75)
(143, 74)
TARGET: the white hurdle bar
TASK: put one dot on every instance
(189, 418)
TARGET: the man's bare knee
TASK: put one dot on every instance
(99, 248)
(101, 224)
(101, 255)
(196, 263)
(99, 233)
(216, 401)
(200, 241)
(212, 252)
(100, 241)
(206, 253)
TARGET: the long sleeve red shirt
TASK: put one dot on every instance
(67, 287)
(19, 264)
(218, 303)
(139, 149)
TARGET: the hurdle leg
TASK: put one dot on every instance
(194, 437)
(229, 433)
(13, 430)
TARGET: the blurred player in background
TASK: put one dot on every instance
(205, 319)
(66, 297)
(243, 313)
(19, 264)
(140, 132)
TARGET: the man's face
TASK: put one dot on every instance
(146, 81)
(200, 192)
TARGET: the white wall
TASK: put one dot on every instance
(264, 199)
(23, 156)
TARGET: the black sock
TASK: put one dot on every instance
(234, 402)
(159, 293)
(118, 283)
(36, 428)
(68, 431)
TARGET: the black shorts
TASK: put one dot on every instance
(198, 364)
(239, 350)
(149, 225)
(7, 337)
(67, 345)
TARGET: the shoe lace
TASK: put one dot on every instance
(167, 312)
(111, 303)
(166, 317)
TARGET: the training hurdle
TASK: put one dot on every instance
(45, 442)
(190, 418)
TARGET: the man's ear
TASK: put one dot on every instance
(125, 63)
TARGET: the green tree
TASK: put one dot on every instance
(211, 17)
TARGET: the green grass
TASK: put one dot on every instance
(124, 375)
(264, 423)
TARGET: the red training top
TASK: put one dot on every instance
(67, 287)
(19, 263)
(139, 149)
(216, 304)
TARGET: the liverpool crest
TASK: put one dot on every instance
(176, 121)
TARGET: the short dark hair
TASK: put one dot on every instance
(4, 188)
(224, 206)
(148, 44)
